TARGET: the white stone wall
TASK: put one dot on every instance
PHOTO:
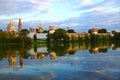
(39, 35)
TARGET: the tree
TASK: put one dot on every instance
(58, 35)
(35, 37)
(103, 30)
(116, 36)
(90, 31)
(71, 31)
(25, 31)
(22, 37)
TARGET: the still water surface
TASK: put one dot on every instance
(74, 62)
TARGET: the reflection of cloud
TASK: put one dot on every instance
(43, 76)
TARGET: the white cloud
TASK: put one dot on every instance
(84, 2)
(22, 6)
(101, 14)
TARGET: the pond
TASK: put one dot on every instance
(72, 61)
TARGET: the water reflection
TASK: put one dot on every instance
(59, 60)
(21, 60)
(12, 61)
(53, 56)
(53, 50)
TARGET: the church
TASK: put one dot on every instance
(11, 28)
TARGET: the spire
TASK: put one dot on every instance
(11, 23)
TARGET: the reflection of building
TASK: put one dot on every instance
(42, 57)
(96, 50)
(19, 25)
(33, 56)
(53, 56)
(21, 62)
(12, 61)
(10, 27)
(113, 47)
(51, 29)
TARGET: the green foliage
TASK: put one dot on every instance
(49, 37)
(73, 38)
(60, 48)
(103, 30)
(58, 35)
(116, 36)
(7, 37)
(12, 37)
(90, 31)
(35, 37)
(71, 31)
(23, 38)
(13, 49)
(25, 31)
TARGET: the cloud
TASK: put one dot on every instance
(23, 6)
(87, 13)
(83, 2)
(103, 5)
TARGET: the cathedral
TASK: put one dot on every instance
(10, 27)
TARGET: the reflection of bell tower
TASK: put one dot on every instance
(21, 61)
(19, 25)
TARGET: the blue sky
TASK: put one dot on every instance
(79, 15)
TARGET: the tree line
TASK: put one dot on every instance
(12, 37)
(61, 35)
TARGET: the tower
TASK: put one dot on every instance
(10, 27)
(41, 28)
(19, 25)
(51, 29)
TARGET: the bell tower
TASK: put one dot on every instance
(19, 25)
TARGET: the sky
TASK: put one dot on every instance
(80, 15)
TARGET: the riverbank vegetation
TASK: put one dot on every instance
(60, 35)
(12, 37)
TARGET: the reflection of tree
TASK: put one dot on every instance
(115, 45)
(97, 47)
(59, 48)
(104, 50)
(35, 48)
(71, 52)
(70, 48)
(8, 50)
